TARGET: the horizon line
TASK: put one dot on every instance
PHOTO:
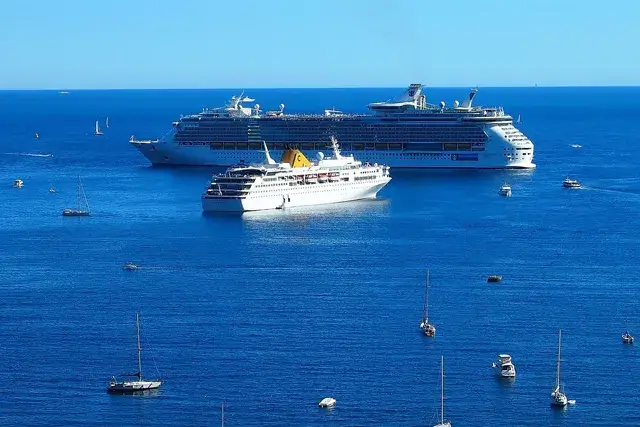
(306, 88)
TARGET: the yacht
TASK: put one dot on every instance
(504, 367)
(427, 328)
(82, 208)
(404, 132)
(130, 266)
(442, 423)
(505, 190)
(558, 398)
(327, 402)
(494, 279)
(18, 183)
(294, 181)
(570, 183)
(133, 386)
(627, 338)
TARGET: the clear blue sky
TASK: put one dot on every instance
(49, 44)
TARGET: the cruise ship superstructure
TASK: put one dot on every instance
(406, 132)
(294, 181)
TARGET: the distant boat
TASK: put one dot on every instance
(18, 183)
(570, 183)
(63, 92)
(627, 338)
(576, 146)
(37, 135)
(52, 190)
(505, 190)
(327, 402)
(443, 423)
(80, 210)
(428, 329)
(97, 131)
(134, 386)
(558, 398)
(130, 266)
(519, 120)
(106, 123)
(504, 366)
(494, 279)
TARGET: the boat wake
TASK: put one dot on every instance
(28, 154)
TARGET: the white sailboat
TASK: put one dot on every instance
(97, 131)
(519, 120)
(442, 423)
(428, 329)
(80, 210)
(106, 123)
(125, 387)
(558, 398)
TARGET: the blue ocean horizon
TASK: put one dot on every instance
(269, 312)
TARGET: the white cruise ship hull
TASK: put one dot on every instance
(318, 194)
(169, 153)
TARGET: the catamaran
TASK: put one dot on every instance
(80, 210)
(124, 386)
(428, 329)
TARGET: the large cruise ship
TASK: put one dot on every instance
(294, 181)
(406, 132)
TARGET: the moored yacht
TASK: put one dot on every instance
(18, 183)
(504, 366)
(558, 398)
(294, 181)
(627, 338)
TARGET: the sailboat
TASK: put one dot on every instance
(126, 387)
(442, 423)
(97, 131)
(519, 120)
(428, 329)
(558, 398)
(106, 123)
(79, 211)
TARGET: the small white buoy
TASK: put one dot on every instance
(327, 402)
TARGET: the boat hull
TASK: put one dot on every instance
(73, 212)
(327, 193)
(130, 387)
(171, 153)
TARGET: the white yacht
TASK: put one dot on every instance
(627, 338)
(97, 129)
(558, 398)
(18, 183)
(442, 423)
(505, 190)
(295, 181)
(504, 366)
(133, 386)
(570, 183)
(327, 402)
(130, 266)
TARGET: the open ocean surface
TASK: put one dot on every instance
(270, 312)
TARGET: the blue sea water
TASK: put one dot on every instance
(269, 312)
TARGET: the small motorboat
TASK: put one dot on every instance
(494, 279)
(504, 367)
(505, 190)
(130, 266)
(570, 183)
(18, 183)
(52, 190)
(327, 402)
(627, 338)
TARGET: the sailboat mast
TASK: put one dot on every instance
(558, 369)
(426, 301)
(441, 389)
(222, 414)
(139, 348)
(79, 184)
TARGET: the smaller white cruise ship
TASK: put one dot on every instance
(295, 181)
